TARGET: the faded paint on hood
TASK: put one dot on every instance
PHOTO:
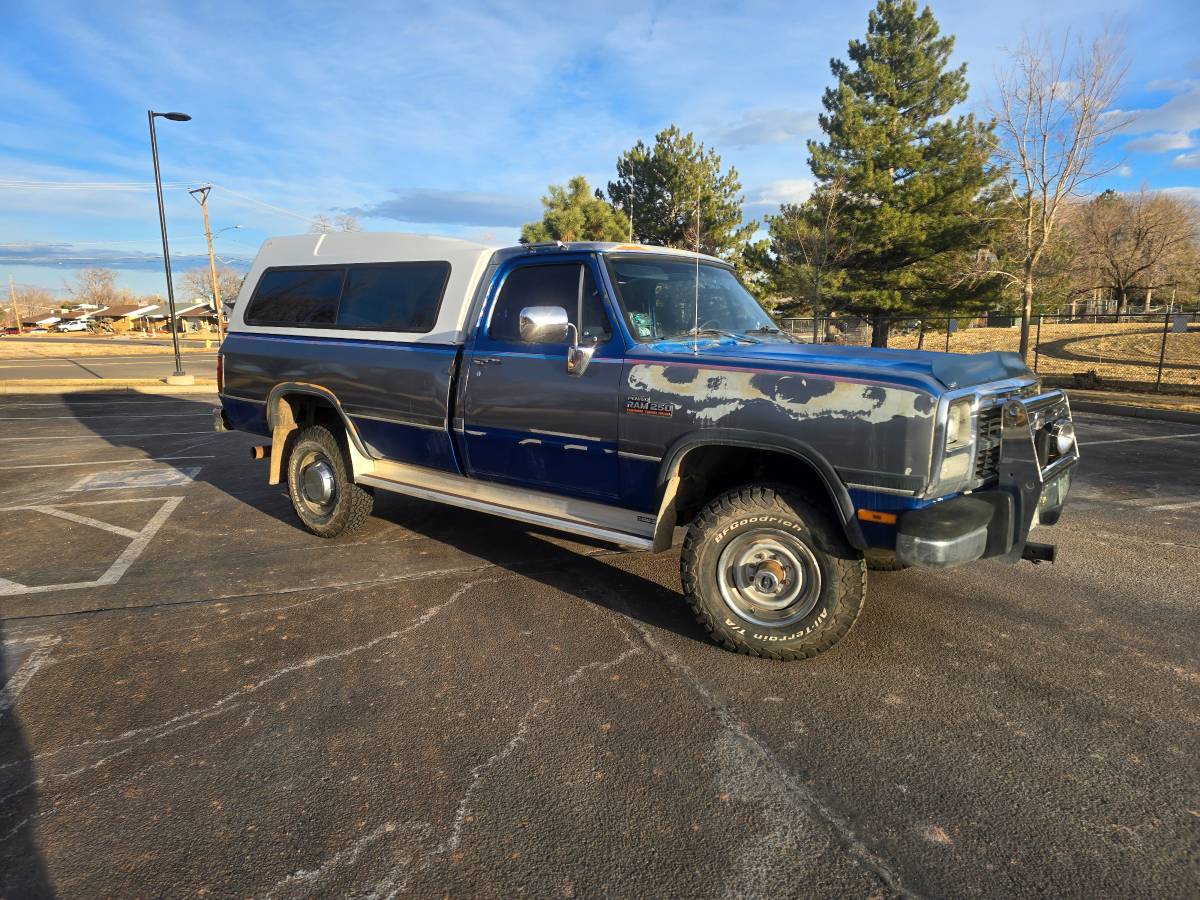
(914, 368)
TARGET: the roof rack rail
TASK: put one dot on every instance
(546, 245)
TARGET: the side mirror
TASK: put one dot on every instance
(549, 325)
(544, 324)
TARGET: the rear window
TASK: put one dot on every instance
(404, 297)
(296, 297)
(387, 297)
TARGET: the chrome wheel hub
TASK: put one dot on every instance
(769, 577)
(318, 483)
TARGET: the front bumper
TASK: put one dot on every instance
(1034, 479)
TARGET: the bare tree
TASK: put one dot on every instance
(1052, 116)
(97, 286)
(1144, 241)
(198, 283)
(324, 225)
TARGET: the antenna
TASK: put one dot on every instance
(631, 217)
(696, 304)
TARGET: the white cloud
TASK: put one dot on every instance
(1187, 161)
(1160, 143)
(767, 199)
(768, 126)
(1124, 170)
(1179, 114)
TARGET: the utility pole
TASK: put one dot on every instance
(12, 295)
(202, 199)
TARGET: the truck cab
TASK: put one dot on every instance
(621, 391)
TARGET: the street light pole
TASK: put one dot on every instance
(180, 377)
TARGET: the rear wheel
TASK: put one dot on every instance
(769, 574)
(323, 494)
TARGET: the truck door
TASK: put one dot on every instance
(526, 420)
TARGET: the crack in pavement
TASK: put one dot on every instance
(757, 752)
(193, 717)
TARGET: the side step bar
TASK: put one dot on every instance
(623, 527)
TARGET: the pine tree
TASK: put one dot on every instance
(662, 185)
(914, 179)
(573, 213)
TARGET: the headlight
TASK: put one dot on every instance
(958, 424)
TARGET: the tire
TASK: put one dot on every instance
(884, 561)
(783, 616)
(317, 467)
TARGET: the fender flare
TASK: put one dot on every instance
(668, 476)
(281, 429)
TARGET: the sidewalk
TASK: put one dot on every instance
(1138, 405)
(91, 385)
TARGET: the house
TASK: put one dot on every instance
(123, 316)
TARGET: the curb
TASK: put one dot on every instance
(1136, 412)
(92, 385)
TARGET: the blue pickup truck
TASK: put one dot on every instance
(622, 391)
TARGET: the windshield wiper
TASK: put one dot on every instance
(770, 329)
(721, 332)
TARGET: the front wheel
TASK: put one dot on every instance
(769, 574)
(323, 493)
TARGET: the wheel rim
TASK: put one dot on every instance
(318, 484)
(769, 577)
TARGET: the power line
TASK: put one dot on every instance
(280, 209)
(90, 185)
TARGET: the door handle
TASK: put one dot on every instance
(486, 360)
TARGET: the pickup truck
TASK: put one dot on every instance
(622, 391)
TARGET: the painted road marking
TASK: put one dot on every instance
(121, 416)
(1188, 505)
(106, 462)
(136, 478)
(1159, 437)
(139, 540)
(79, 437)
(25, 672)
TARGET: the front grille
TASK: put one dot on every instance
(987, 454)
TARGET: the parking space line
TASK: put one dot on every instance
(84, 520)
(121, 416)
(1157, 437)
(79, 437)
(122, 563)
(106, 462)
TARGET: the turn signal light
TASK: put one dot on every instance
(882, 518)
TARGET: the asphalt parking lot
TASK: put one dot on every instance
(202, 698)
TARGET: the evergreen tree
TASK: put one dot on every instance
(574, 213)
(662, 185)
(914, 179)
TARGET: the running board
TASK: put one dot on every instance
(623, 527)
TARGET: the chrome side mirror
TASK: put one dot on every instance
(549, 325)
(578, 358)
(544, 324)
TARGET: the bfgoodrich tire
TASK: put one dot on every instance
(769, 574)
(323, 494)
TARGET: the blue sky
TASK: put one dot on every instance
(452, 118)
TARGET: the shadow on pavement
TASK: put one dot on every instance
(525, 550)
(23, 870)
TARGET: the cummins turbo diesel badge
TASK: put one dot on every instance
(644, 406)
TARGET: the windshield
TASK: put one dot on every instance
(659, 299)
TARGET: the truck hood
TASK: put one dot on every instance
(950, 370)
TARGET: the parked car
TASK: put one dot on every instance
(72, 325)
(618, 391)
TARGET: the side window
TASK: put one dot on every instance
(403, 297)
(551, 285)
(296, 297)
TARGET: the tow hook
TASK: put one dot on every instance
(1038, 553)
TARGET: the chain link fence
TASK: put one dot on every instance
(1156, 351)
